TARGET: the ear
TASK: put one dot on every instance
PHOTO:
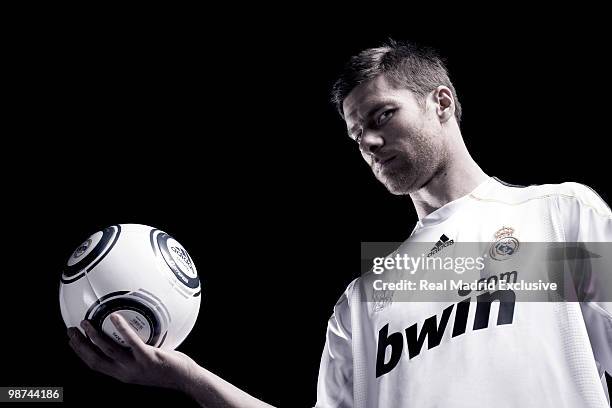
(445, 104)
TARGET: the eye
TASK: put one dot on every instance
(384, 117)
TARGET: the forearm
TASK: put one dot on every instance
(211, 391)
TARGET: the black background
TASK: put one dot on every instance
(222, 135)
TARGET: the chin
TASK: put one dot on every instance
(398, 185)
(400, 178)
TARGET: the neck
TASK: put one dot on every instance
(455, 180)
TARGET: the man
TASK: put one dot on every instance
(402, 109)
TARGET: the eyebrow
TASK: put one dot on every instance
(375, 106)
(352, 130)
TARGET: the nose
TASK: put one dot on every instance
(371, 142)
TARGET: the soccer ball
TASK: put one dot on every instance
(138, 271)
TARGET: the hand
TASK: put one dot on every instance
(146, 365)
(139, 363)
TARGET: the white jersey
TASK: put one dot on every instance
(553, 354)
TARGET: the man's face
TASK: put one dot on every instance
(399, 138)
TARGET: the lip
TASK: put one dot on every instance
(387, 161)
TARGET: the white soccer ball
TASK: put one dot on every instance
(138, 271)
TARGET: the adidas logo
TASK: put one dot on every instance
(442, 243)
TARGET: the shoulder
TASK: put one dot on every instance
(345, 299)
(584, 197)
(577, 193)
(340, 320)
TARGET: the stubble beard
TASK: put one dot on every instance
(410, 172)
(400, 180)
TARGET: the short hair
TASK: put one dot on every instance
(405, 64)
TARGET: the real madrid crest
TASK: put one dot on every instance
(505, 244)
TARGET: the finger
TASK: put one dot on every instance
(107, 345)
(129, 335)
(87, 352)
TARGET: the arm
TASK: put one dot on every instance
(335, 384)
(591, 225)
(146, 365)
